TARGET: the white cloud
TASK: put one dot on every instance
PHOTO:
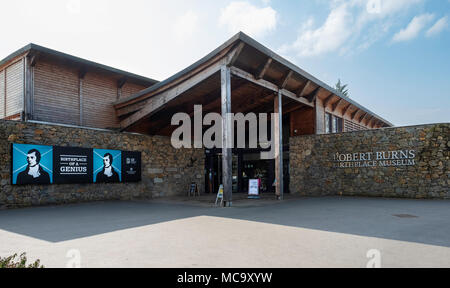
(438, 27)
(243, 16)
(413, 29)
(351, 26)
(329, 37)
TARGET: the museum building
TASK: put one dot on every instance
(40, 85)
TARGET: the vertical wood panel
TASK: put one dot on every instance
(2, 94)
(130, 89)
(56, 93)
(99, 94)
(14, 88)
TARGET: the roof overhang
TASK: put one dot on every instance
(83, 64)
(248, 60)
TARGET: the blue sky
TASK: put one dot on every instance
(392, 53)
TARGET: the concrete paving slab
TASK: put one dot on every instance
(306, 232)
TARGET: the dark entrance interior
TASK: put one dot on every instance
(247, 164)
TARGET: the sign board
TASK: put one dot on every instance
(220, 195)
(131, 165)
(396, 158)
(40, 165)
(72, 165)
(253, 187)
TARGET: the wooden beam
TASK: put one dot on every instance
(286, 79)
(121, 82)
(291, 109)
(33, 60)
(368, 120)
(363, 117)
(346, 110)
(268, 85)
(227, 137)
(303, 90)
(236, 54)
(354, 114)
(335, 105)
(142, 96)
(264, 69)
(327, 100)
(278, 135)
(311, 97)
(156, 103)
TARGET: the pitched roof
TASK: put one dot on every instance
(43, 50)
(269, 54)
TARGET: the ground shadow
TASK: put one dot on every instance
(357, 216)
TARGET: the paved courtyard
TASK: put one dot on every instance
(299, 232)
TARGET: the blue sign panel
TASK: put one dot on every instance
(107, 166)
(40, 165)
(32, 164)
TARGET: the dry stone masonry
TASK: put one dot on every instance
(406, 162)
(165, 171)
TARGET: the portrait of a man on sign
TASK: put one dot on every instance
(32, 164)
(107, 165)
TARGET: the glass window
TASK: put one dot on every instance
(334, 125)
(340, 125)
(327, 123)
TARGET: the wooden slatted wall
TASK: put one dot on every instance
(56, 96)
(99, 94)
(2, 94)
(14, 88)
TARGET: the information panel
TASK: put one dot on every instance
(41, 165)
(72, 165)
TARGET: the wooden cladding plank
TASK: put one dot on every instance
(99, 94)
(14, 88)
(129, 89)
(56, 96)
(350, 126)
(2, 94)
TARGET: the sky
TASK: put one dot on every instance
(393, 54)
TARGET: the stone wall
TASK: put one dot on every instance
(316, 169)
(165, 171)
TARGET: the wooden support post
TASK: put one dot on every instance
(278, 134)
(120, 84)
(227, 151)
(81, 75)
(28, 95)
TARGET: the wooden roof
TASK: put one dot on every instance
(81, 63)
(264, 72)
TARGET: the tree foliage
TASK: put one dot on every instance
(342, 88)
(21, 262)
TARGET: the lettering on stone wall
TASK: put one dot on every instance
(399, 158)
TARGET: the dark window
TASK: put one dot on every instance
(333, 124)
(328, 118)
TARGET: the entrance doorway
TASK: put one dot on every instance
(246, 165)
